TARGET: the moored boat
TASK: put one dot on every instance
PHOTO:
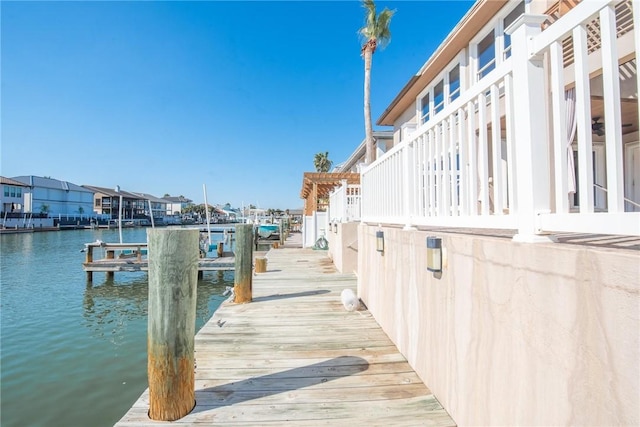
(268, 231)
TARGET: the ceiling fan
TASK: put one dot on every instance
(597, 127)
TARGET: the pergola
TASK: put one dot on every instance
(316, 187)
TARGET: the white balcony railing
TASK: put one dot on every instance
(483, 161)
(344, 203)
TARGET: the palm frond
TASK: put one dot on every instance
(383, 33)
(376, 26)
(368, 29)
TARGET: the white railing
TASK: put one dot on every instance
(483, 161)
(454, 169)
(344, 203)
(599, 37)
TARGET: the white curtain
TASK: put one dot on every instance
(570, 104)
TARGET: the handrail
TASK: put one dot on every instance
(625, 199)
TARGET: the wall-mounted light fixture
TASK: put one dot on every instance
(434, 254)
(335, 227)
(379, 241)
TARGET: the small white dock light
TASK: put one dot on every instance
(434, 254)
(379, 241)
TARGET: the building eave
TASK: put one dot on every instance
(9, 181)
(359, 152)
(472, 22)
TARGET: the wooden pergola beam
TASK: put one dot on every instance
(318, 185)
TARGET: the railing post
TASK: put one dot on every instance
(173, 277)
(345, 201)
(407, 186)
(532, 159)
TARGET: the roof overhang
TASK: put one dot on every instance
(359, 153)
(9, 181)
(480, 13)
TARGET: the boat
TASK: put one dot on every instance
(268, 231)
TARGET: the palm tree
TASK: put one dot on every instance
(321, 162)
(374, 33)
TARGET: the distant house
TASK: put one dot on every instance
(55, 197)
(158, 205)
(175, 205)
(12, 195)
(106, 201)
(231, 214)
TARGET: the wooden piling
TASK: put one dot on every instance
(261, 265)
(110, 255)
(88, 259)
(243, 264)
(173, 270)
(281, 233)
(220, 249)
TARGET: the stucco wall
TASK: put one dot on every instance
(343, 246)
(512, 333)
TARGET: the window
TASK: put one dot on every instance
(424, 107)
(6, 191)
(486, 55)
(438, 97)
(97, 202)
(510, 19)
(13, 191)
(18, 192)
(454, 83)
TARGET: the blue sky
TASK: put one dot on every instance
(162, 97)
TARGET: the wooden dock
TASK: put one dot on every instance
(296, 356)
(133, 258)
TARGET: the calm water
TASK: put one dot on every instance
(72, 354)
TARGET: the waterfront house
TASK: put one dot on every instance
(55, 198)
(155, 206)
(499, 239)
(12, 196)
(175, 204)
(107, 201)
(13, 215)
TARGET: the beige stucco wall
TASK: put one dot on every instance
(343, 246)
(512, 333)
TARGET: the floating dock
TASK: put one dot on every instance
(295, 356)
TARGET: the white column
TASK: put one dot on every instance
(530, 120)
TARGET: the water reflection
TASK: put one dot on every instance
(109, 307)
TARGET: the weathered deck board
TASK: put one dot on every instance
(295, 356)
